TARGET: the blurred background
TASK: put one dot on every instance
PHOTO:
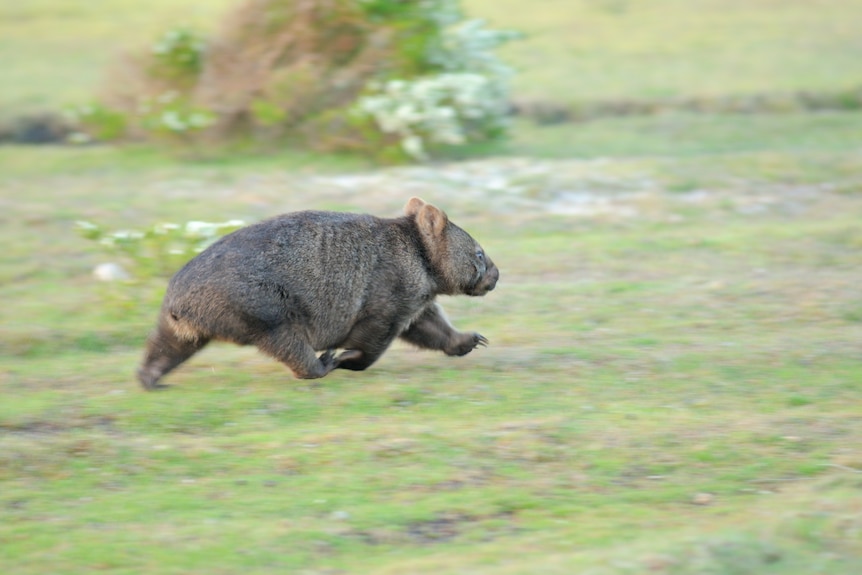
(570, 61)
(671, 189)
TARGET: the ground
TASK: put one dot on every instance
(672, 384)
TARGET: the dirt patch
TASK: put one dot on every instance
(578, 188)
(56, 426)
(442, 528)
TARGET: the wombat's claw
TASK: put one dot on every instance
(480, 339)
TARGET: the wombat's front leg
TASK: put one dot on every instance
(432, 330)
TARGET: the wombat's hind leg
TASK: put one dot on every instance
(165, 351)
(284, 345)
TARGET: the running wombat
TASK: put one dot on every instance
(320, 281)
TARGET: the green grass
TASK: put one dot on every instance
(637, 363)
(681, 134)
(56, 52)
(583, 50)
(672, 385)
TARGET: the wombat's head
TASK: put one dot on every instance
(459, 260)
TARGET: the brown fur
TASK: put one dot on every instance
(306, 282)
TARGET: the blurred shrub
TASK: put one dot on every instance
(395, 79)
(436, 110)
(137, 257)
(159, 251)
(96, 121)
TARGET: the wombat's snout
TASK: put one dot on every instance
(493, 275)
(487, 283)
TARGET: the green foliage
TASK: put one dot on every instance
(98, 122)
(393, 9)
(178, 54)
(174, 118)
(267, 113)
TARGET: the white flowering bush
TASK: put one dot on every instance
(464, 100)
(177, 119)
(447, 109)
(158, 251)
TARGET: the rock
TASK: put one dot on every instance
(110, 272)
(703, 499)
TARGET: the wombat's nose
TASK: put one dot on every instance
(493, 276)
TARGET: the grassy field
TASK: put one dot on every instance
(627, 49)
(672, 385)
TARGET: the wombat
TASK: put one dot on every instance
(314, 281)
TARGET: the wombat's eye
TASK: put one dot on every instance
(480, 255)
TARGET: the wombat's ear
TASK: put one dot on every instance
(431, 222)
(413, 206)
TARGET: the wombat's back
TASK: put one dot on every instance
(307, 268)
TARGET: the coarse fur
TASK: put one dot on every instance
(308, 282)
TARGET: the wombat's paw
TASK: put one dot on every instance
(157, 387)
(327, 359)
(149, 382)
(149, 385)
(470, 341)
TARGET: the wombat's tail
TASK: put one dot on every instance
(170, 345)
